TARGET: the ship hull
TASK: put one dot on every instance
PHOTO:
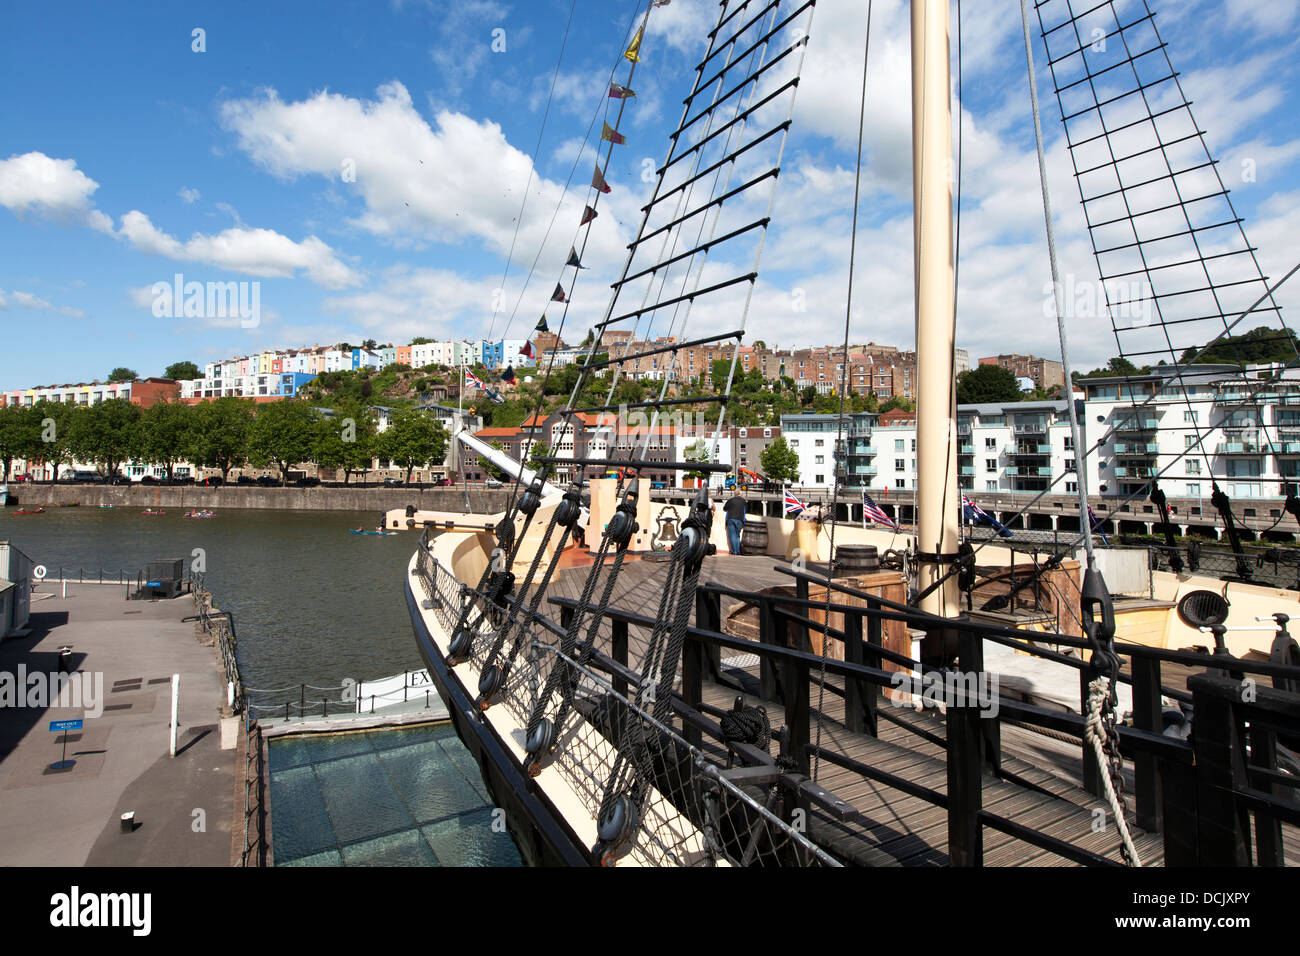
(541, 834)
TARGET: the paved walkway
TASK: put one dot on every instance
(71, 818)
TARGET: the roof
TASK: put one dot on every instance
(497, 433)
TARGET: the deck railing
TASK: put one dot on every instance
(256, 788)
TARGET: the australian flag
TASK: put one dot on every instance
(873, 512)
(974, 514)
(1095, 522)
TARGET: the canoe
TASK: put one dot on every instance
(26, 511)
(376, 533)
(147, 511)
(199, 514)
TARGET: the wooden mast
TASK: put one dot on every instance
(937, 497)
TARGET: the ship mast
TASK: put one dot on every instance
(937, 501)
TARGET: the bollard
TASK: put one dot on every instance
(176, 703)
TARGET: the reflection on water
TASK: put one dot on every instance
(312, 603)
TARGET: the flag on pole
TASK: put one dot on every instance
(573, 259)
(793, 505)
(493, 397)
(974, 514)
(1096, 525)
(633, 52)
(598, 181)
(588, 214)
(620, 92)
(472, 380)
(872, 512)
(508, 376)
(611, 135)
(558, 294)
(542, 326)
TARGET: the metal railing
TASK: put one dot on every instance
(256, 845)
(219, 627)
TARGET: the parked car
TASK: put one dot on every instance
(493, 483)
(442, 483)
(88, 477)
(307, 482)
(183, 480)
(148, 480)
(244, 480)
(119, 480)
(393, 482)
(213, 482)
(27, 477)
(266, 481)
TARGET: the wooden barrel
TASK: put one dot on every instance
(804, 539)
(856, 559)
(753, 537)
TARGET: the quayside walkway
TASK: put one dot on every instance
(183, 805)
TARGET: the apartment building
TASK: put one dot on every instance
(824, 443)
(1043, 372)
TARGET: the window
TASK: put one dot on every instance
(990, 444)
(1193, 466)
(820, 479)
(898, 464)
(1193, 489)
(1069, 464)
(990, 486)
(1189, 417)
(818, 443)
(1069, 442)
(819, 460)
(900, 483)
(1191, 440)
(1071, 486)
(898, 444)
(990, 464)
(794, 443)
(913, 444)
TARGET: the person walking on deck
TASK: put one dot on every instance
(735, 512)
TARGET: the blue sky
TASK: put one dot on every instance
(127, 157)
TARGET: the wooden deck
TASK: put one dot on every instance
(1037, 787)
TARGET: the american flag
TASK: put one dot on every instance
(872, 512)
(792, 504)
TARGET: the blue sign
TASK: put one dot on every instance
(58, 726)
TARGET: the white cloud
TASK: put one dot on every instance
(189, 196)
(52, 188)
(259, 252)
(25, 300)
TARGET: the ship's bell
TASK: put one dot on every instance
(668, 522)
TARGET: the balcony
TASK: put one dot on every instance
(968, 469)
(1033, 471)
(1143, 473)
(1136, 425)
(1031, 428)
(1135, 449)
(1029, 450)
(965, 449)
(1239, 448)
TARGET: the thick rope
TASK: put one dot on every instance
(1098, 695)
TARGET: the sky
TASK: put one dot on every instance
(397, 168)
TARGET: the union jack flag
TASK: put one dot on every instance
(873, 513)
(473, 380)
(793, 505)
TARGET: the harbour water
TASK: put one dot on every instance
(312, 603)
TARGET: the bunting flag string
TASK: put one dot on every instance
(598, 181)
(588, 214)
(558, 294)
(611, 135)
(508, 376)
(542, 326)
(527, 350)
(573, 259)
(633, 52)
(617, 92)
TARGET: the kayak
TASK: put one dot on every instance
(108, 507)
(199, 514)
(150, 511)
(376, 533)
(26, 511)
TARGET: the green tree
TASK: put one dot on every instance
(283, 434)
(420, 340)
(369, 344)
(413, 440)
(53, 422)
(20, 437)
(107, 433)
(123, 374)
(1118, 367)
(182, 370)
(697, 451)
(987, 383)
(537, 451)
(219, 438)
(164, 434)
(780, 462)
(347, 441)
(899, 402)
(808, 395)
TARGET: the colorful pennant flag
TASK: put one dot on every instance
(527, 350)
(598, 181)
(573, 259)
(542, 326)
(620, 92)
(558, 294)
(872, 512)
(588, 214)
(493, 397)
(508, 376)
(611, 135)
(633, 52)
